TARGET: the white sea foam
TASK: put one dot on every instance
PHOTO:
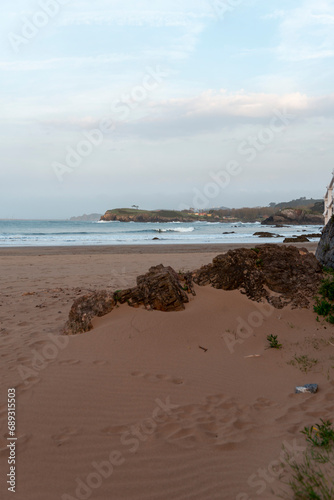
(177, 230)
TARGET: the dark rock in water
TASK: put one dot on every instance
(292, 274)
(85, 308)
(155, 238)
(311, 388)
(229, 232)
(297, 239)
(264, 234)
(313, 235)
(325, 250)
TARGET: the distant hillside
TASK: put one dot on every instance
(86, 218)
(311, 211)
(136, 215)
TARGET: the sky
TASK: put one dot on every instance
(164, 104)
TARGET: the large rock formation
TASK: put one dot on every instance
(282, 275)
(158, 289)
(293, 216)
(325, 250)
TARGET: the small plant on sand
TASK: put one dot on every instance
(273, 342)
(321, 435)
(304, 363)
(311, 475)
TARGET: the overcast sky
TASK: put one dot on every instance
(164, 104)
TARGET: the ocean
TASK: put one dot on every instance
(18, 233)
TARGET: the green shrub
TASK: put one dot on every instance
(327, 289)
(322, 307)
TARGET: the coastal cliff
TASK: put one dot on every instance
(292, 216)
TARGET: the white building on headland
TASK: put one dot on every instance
(329, 208)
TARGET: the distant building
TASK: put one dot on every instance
(329, 209)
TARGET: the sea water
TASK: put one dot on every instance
(15, 233)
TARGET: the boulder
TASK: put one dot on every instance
(161, 289)
(85, 308)
(325, 249)
(281, 275)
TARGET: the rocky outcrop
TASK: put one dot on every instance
(158, 289)
(291, 216)
(85, 308)
(325, 250)
(281, 275)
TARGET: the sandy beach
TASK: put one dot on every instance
(151, 405)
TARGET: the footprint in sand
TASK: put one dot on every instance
(160, 376)
(69, 362)
(100, 362)
(64, 435)
(114, 430)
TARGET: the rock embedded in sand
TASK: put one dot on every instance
(282, 275)
(85, 308)
(158, 289)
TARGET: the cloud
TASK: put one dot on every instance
(208, 113)
(211, 112)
